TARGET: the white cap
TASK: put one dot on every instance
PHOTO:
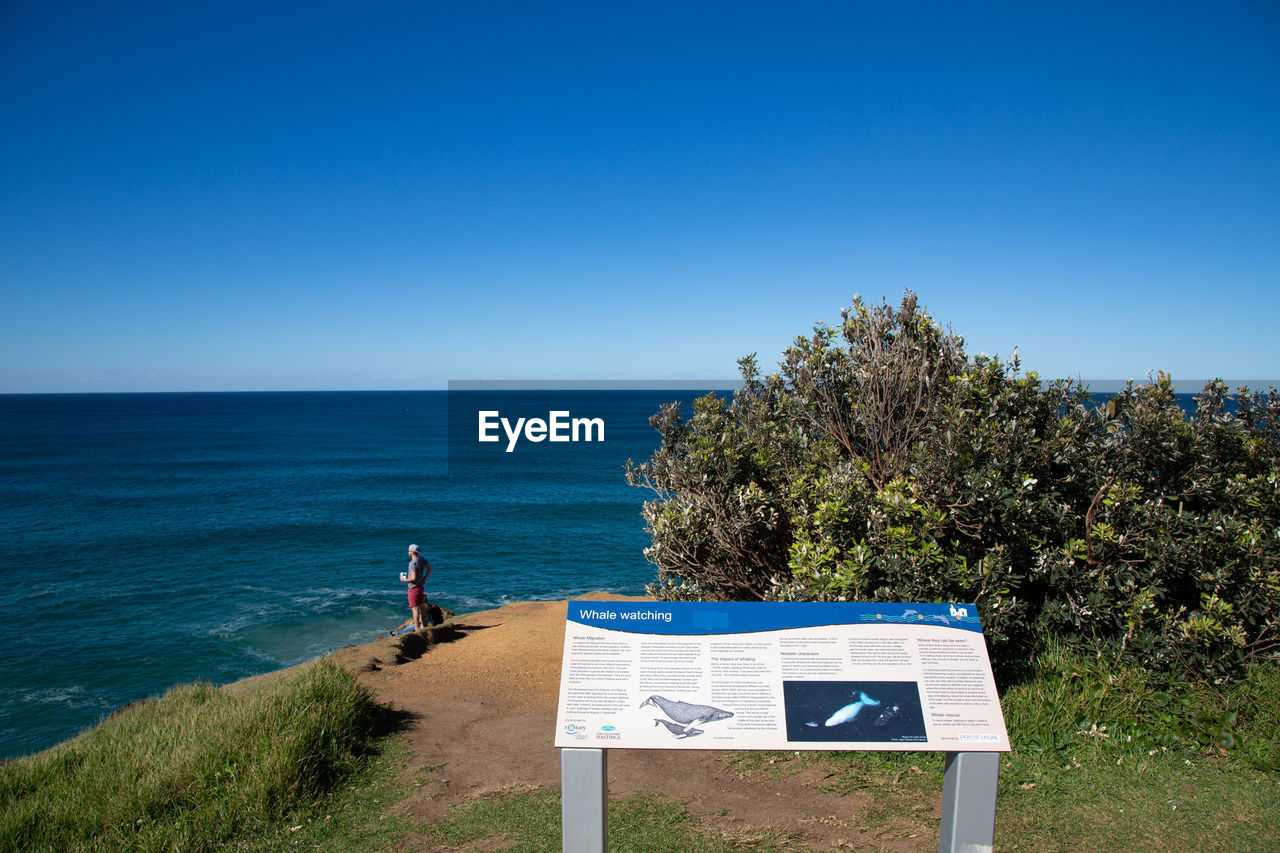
(413, 549)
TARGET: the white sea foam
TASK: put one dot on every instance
(70, 696)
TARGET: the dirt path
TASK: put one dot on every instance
(483, 698)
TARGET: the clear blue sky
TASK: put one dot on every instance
(338, 195)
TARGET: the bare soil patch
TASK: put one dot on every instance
(483, 692)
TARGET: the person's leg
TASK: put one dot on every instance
(416, 602)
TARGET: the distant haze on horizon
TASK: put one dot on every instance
(313, 196)
(1096, 386)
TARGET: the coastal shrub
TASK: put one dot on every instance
(880, 462)
(198, 769)
(722, 520)
(1175, 559)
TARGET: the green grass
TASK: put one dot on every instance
(201, 768)
(1164, 802)
(1106, 758)
(301, 761)
(1103, 759)
(295, 761)
(356, 817)
(1084, 708)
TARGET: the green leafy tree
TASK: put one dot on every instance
(882, 463)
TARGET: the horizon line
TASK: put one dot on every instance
(1102, 386)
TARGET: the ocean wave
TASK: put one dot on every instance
(68, 696)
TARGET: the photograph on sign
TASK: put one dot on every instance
(765, 675)
(853, 711)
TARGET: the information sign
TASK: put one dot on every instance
(766, 675)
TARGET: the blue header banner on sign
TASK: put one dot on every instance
(700, 618)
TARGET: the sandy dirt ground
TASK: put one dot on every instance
(482, 699)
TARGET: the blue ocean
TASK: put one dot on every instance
(148, 540)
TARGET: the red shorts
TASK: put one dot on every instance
(416, 597)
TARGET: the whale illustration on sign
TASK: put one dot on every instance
(849, 712)
(687, 714)
(677, 729)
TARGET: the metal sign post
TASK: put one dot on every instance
(969, 802)
(584, 800)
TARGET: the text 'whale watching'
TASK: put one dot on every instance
(634, 615)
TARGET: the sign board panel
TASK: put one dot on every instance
(764, 675)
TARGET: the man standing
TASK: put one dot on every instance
(416, 576)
